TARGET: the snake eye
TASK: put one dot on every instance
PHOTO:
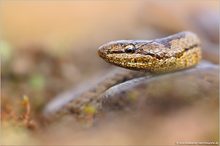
(130, 49)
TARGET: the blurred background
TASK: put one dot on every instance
(50, 46)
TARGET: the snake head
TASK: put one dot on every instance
(124, 53)
(175, 52)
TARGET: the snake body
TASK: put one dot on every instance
(172, 53)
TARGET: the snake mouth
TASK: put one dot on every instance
(102, 52)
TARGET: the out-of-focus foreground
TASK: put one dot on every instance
(48, 47)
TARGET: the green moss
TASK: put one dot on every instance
(5, 51)
(37, 82)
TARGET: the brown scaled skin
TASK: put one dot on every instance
(175, 52)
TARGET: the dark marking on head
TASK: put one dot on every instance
(153, 55)
(166, 41)
(116, 51)
(191, 47)
(177, 55)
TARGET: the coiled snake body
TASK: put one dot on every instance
(172, 53)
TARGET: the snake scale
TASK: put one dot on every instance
(141, 57)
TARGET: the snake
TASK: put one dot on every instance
(175, 52)
(138, 58)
